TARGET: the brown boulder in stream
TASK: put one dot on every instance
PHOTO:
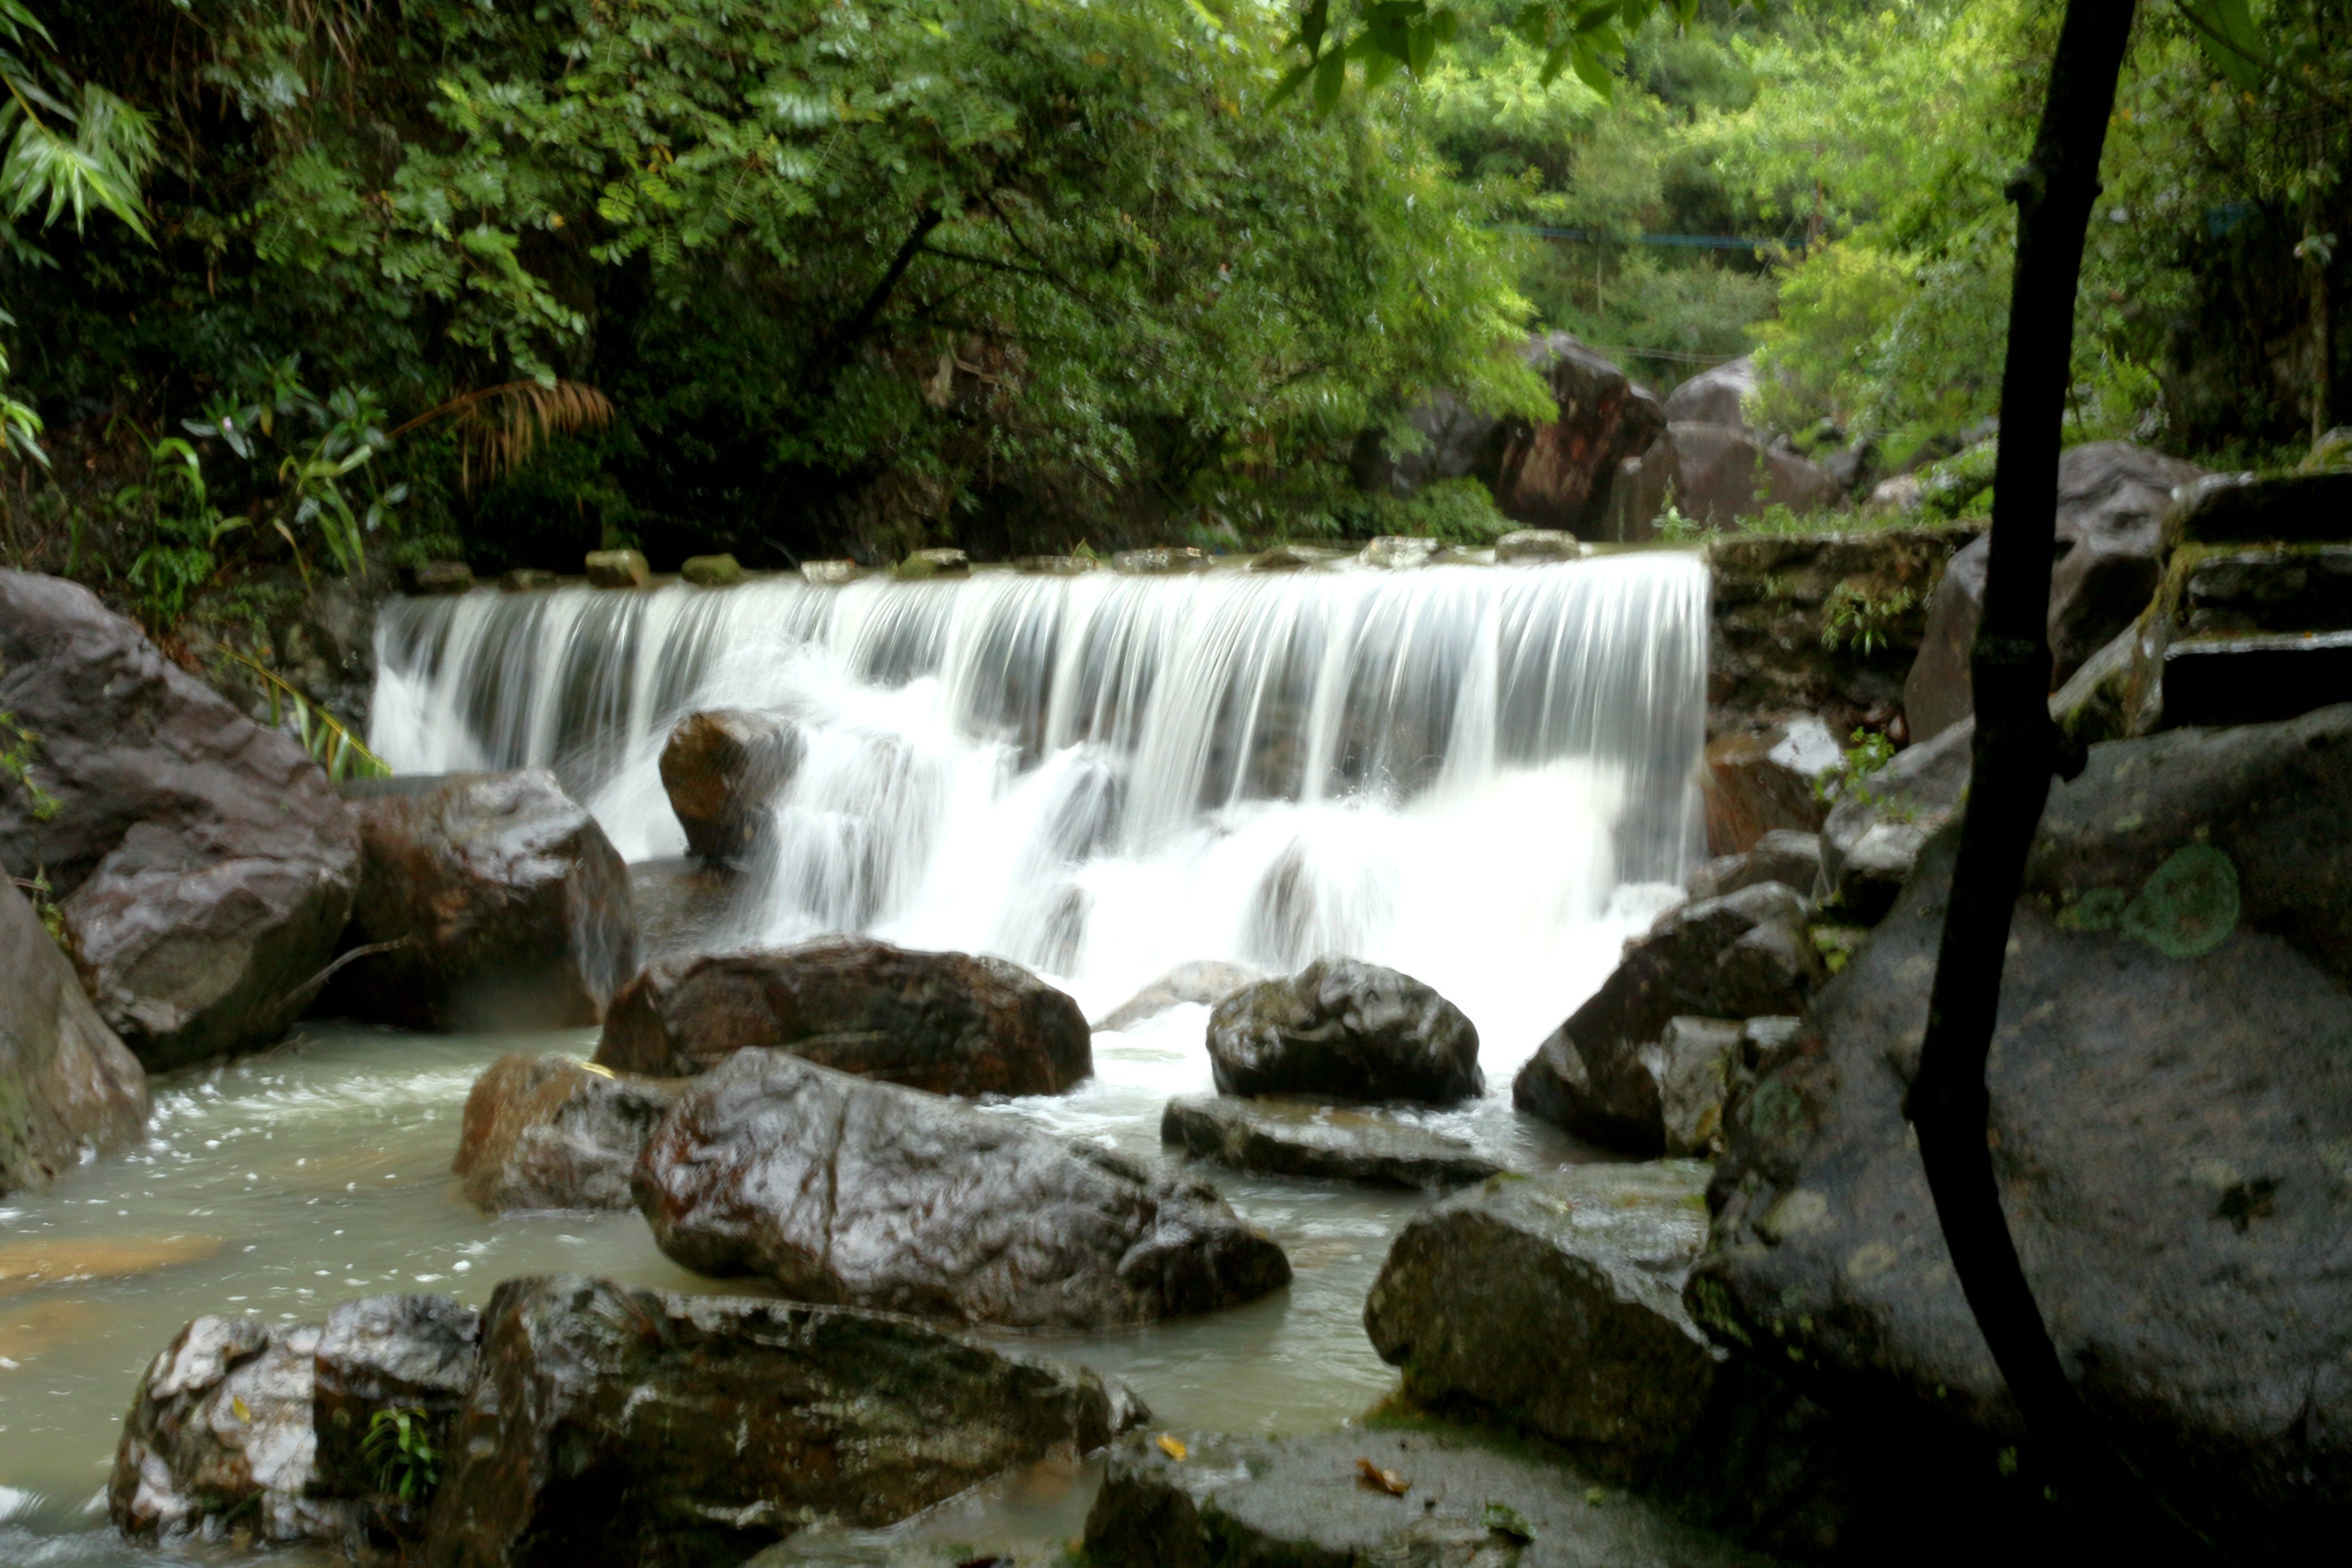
(548, 1133)
(66, 1085)
(202, 862)
(722, 770)
(845, 1190)
(618, 1428)
(1342, 1029)
(508, 905)
(947, 1022)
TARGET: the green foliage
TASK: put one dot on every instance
(17, 747)
(330, 743)
(1853, 617)
(400, 1449)
(1960, 484)
(1458, 511)
(1865, 755)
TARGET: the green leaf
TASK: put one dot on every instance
(1292, 79)
(1312, 26)
(2232, 42)
(1420, 49)
(1591, 70)
(1331, 79)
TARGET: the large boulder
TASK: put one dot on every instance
(1601, 1074)
(1296, 1138)
(1882, 820)
(2111, 501)
(1717, 396)
(842, 1189)
(618, 1428)
(1784, 856)
(1341, 1029)
(1767, 780)
(2170, 1129)
(947, 1022)
(1205, 981)
(67, 1087)
(496, 899)
(203, 863)
(1717, 476)
(549, 1132)
(723, 769)
(388, 1356)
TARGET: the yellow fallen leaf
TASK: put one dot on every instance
(1381, 1480)
(238, 1405)
(1171, 1445)
(599, 1068)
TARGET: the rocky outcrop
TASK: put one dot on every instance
(67, 1087)
(1716, 475)
(2111, 501)
(2171, 1103)
(1296, 1138)
(1600, 1074)
(499, 901)
(723, 769)
(946, 1021)
(546, 1132)
(1203, 982)
(1344, 1030)
(1716, 397)
(1874, 833)
(203, 863)
(1784, 856)
(1766, 781)
(380, 1356)
(618, 1428)
(844, 1190)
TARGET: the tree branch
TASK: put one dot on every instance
(825, 362)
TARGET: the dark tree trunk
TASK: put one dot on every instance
(2016, 751)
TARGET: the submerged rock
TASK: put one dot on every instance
(947, 1022)
(1204, 982)
(546, 1132)
(203, 864)
(1345, 1030)
(509, 907)
(722, 770)
(842, 1189)
(2171, 1133)
(67, 1087)
(1293, 1138)
(617, 1428)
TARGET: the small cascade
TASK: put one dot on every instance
(1480, 774)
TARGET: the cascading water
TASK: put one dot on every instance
(1468, 773)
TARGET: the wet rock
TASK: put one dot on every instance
(841, 1189)
(1784, 856)
(722, 770)
(1600, 1075)
(437, 577)
(2251, 591)
(713, 570)
(1292, 557)
(1539, 544)
(685, 907)
(1699, 1060)
(831, 574)
(1203, 982)
(1397, 551)
(510, 907)
(1717, 396)
(527, 580)
(68, 1088)
(617, 1428)
(203, 863)
(1767, 780)
(2171, 1114)
(2261, 508)
(1341, 1029)
(1299, 1138)
(1057, 566)
(220, 1434)
(1874, 833)
(1717, 476)
(1161, 561)
(947, 1022)
(548, 1133)
(2096, 702)
(927, 564)
(2242, 679)
(618, 569)
(383, 1355)
(1468, 1502)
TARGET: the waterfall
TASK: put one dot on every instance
(1483, 776)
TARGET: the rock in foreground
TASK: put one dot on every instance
(722, 770)
(616, 1428)
(841, 1189)
(546, 1132)
(945, 1022)
(66, 1085)
(2171, 1125)
(1296, 1138)
(1344, 1030)
(203, 863)
(510, 907)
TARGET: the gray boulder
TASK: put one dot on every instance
(1874, 833)
(1296, 1138)
(1340, 1029)
(1717, 396)
(499, 901)
(2171, 1118)
(67, 1087)
(842, 1189)
(618, 1428)
(548, 1133)
(722, 770)
(1717, 476)
(1765, 781)
(1204, 982)
(1784, 856)
(203, 863)
(1601, 1074)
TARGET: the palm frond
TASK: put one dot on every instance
(500, 427)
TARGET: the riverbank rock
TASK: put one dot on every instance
(510, 907)
(1601, 1075)
(1342, 1029)
(2171, 1117)
(722, 770)
(1715, 396)
(1717, 476)
(1441, 1498)
(548, 1133)
(1873, 837)
(1297, 1138)
(203, 863)
(842, 1189)
(1784, 856)
(1204, 982)
(617, 1428)
(413, 1354)
(68, 1088)
(1767, 780)
(947, 1022)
